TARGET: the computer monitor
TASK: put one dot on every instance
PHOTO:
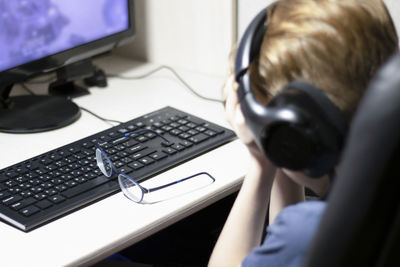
(62, 36)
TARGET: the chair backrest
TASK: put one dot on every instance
(361, 225)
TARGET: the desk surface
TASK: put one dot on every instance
(101, 229)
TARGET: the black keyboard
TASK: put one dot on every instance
(46, 187)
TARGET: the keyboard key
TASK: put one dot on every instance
(186, 143)
(85, 186)
(131, 143)
(183, 121)
(166, 144)
(135, 149)
(26, 194)
(141, 138)
(210, 133)
(32, 165)
(191, 125)
(44, 204)
(12, 174)
(136, 165)
(126, 170)
(142, 153)
(4, 194)
(218, 130)
(56, 199)
(51, 191)
(11, 200)
(178, 147)
(146, 160)
(3, 178)
(158, 155)
(40, 196)
(29, 211)
(198, 138)
(11, 183)
(61, 187)
(23, 203)
(169, 150)
(71, 183)
(46, 161)
(184, 135)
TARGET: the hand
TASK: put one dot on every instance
(236, 119)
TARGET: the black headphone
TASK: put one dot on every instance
(300, 129)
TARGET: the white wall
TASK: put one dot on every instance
(197, 34)
(394, 9)
(193, 34)
(248, 9)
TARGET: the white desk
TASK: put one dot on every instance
(101, 229)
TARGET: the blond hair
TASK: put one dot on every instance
(335, 45)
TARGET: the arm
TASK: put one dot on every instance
(288, 188)
(284, 192)
(244, 227)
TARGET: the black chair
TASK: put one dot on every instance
(361, 225)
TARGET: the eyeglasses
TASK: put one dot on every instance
(129, 186)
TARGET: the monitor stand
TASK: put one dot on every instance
(35, 113)
(38, 113)
(84, 70)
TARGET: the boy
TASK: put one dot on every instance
(334, 45)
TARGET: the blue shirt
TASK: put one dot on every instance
(288, 237)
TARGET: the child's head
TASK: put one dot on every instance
(335, 45)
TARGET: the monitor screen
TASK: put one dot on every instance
(33, 29)
(41, 36)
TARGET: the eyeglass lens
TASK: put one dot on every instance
(104, 163)
(130, 188)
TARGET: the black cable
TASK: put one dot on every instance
(82, 108)
(144, 76)
(23, 85)
(99, 117)
(136, 78)
(173, 72)
(45, 80)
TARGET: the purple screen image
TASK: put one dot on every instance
(33, 29)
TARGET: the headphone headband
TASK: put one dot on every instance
(250, 44)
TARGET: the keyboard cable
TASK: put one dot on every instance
(138, 77)
(110, 121)
(174, 72)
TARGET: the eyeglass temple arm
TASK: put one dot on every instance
(178, 181)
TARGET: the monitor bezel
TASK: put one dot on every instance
(61, 59)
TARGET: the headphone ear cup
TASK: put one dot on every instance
(288, 146)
